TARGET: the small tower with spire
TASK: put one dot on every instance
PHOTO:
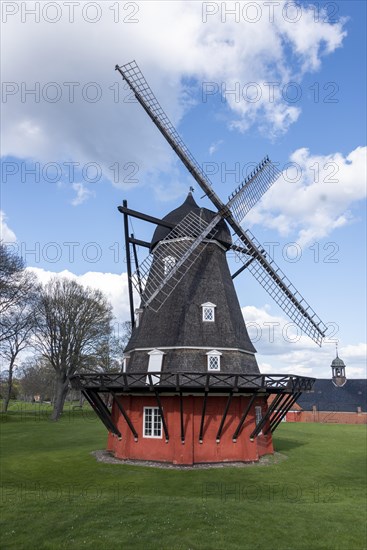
(338, 370)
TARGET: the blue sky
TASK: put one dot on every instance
(205, 66)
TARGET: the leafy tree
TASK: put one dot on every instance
(72, 323)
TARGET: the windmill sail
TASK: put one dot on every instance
(172, 258)
(263, 269)
(253, 187)
(282, 291)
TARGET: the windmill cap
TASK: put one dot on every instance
(223, 235)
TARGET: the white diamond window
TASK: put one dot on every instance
(214, 363)
(214, 360)
(208, 312)
(152, 422)
(169, 263)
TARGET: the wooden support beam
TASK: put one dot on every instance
(182, 426)
(103, 412)
(138, 242)
(269, 412)
(242, 268)
(94, 407)
(126, 381)
(128, 262)
(165, 429)
(125, 415)
(203, 417)
(277, 413)
(285, 411)
(151, 385)
(136, 264)
(135, 214)
(243, 418)
(219, 433)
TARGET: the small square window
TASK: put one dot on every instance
(152, 422)
(213, 362)
(208, 314)
(208, 310)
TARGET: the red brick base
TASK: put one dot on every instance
(191, 451)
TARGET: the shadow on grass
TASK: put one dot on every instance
(282, 445)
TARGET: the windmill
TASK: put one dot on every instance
(247, 248)
(190, 390)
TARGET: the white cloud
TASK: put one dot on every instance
(111, 130)
(82, 193)
(311, 40)
(215, 146)
(287, 351)
(114, 286)
(356, 352)
(320, 191)
(265, 367)
(7, 235)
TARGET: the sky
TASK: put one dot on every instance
(239, 80)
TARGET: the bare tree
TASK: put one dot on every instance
(123, 333)
(109, 355)
(18, 295)
(17, 287)
(22, 324)
(72, 322)
(36, 377)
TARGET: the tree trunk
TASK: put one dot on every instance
(10, 386)
(61, 393)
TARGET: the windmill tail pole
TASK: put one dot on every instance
(128, 262)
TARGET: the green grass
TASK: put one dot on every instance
(38, 409)
(55, 495)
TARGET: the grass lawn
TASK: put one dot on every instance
(55, 495)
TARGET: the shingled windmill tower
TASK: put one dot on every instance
(191, 390)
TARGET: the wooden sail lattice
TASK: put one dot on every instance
(252, 189)
(286, 295)
(159, 273)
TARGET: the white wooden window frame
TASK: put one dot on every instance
(208, 310)
(155, 364)
(152, 424)
(213, 355)
(138, 313)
